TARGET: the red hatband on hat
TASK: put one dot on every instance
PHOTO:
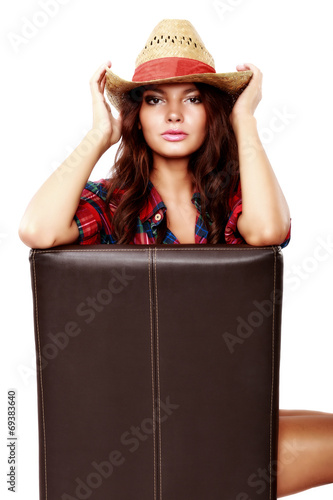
(170, 67)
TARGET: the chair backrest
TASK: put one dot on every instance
(158, 371)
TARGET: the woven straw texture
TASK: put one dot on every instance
(176, 38)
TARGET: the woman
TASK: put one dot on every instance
(190, 169)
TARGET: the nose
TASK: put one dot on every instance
(174, 113)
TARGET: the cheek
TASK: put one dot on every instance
(146, 120)
(199, 119)
(147, 124)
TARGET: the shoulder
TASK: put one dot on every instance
(98, 191)
(98, 188)
(94, 214)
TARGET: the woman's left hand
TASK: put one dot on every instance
(251, 96)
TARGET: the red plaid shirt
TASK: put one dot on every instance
(94, 226)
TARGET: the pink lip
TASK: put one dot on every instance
(174, 135)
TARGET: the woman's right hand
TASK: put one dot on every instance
(103, 120)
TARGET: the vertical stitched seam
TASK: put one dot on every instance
(158, 379)
(152, 365)
(40, 374)
(272, 388)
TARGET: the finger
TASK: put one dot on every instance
(103, 68)
(120, 119)
(102, 83)
(247, 67)
(99, 73)
(257, 76)
(243, 67)
(97, 83)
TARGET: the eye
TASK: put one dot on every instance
(150, 99)
(195, 99)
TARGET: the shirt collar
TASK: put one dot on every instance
(155, 202)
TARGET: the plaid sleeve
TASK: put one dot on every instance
(90, 215)
(231, 233)
(287, 238)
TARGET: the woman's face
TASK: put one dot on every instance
(173, 119)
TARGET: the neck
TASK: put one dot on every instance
(172, 179)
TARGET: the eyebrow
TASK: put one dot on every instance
(156, 89)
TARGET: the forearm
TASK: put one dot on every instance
(51, 211)
(265, 217)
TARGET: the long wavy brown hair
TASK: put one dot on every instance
(214, 167)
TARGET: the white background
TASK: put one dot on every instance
(46, 110)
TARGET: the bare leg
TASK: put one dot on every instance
(305, 450)
(294, 413)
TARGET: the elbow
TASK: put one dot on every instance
(34, 237)
(272, 235)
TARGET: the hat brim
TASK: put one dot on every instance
(232, 83)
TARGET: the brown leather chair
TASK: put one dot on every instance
(158, 371)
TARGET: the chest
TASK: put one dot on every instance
(181, 221)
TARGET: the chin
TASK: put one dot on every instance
(176, 151)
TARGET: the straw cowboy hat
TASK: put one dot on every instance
(174, 52)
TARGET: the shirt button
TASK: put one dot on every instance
(158, 216)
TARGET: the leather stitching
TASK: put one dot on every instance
(272, 387)
(158, 380)
(152, 364)
(200, 248)
(40, 376)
